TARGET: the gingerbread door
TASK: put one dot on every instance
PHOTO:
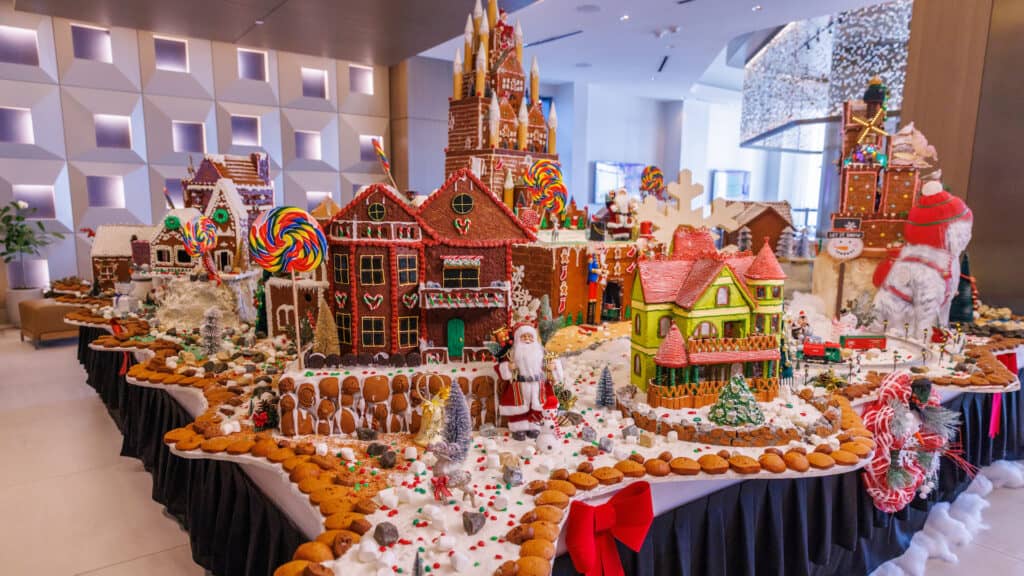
(456, 337)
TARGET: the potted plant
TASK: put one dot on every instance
(20, 238)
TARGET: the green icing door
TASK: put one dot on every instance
(456, 337)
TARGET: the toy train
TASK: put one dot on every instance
(830, 352)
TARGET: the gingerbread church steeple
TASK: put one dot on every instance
(496, 124)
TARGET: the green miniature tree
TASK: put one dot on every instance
(736, 405)
(579, 318)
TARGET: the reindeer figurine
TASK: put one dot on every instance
(447, 473)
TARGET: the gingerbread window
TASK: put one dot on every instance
(344, 322)
(761, 292)
(183, 257)
(372, 332)
(637, 365)
(376, 211)
(705, 330)
(722, 296)
(462, 204)
(371, 270)
(408, 269)
(408, 331)
(664, 324)
(341, 268)
(461, 277)
(163, 255)
(776, 291)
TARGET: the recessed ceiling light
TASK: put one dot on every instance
(259, 21)
(755, 8)
(624, 17)
(583, 64)
(588, 8)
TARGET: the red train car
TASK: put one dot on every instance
(863, 341)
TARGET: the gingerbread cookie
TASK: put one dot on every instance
(279, 455)
(630, 468)
(552, 498)
(583, 481)
(796, 461)
(341, 520)
(657, 467)
(563, 486)
(240, 446)
(820, 461)
(684, 466)
(293, 568)
(314, 552)
(533, 566)
(535, 487)
(772, 462)
(539, 548)
(744, 464)
(607, 475)
(844, 458)
(336, 506)
(545, 530)
(543, 513)
(861, 449)
(713, 464)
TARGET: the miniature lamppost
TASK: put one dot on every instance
(806, 370)
(885, 326)
(924, 336)
(906, 330)
(849, 374)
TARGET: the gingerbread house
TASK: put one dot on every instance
(114, 250)
(250, 174)
(496, 126)
(224, 206)
(167, 254)
(701, 315)
(281, 305)
(763, 219)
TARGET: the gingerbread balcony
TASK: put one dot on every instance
(698, 394)
(361, 230)
(436, 297)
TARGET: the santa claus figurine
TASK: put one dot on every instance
(529, 391)
(916, 287)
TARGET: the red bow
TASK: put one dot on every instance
(441, 491)
(592, 530)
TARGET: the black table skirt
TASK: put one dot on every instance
(235, 530)
(794, 527)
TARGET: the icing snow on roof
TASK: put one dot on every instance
(113, 240)
(183, 214)
(231, 197)
(753, 209)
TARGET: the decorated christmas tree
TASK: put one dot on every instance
(325, 336)
(605, 390)
(744, 240)
(210, 331)
(785, 246)
(457, 425)
(803, 245)
(736, 405)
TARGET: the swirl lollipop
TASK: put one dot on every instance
(544, 181)
(652, 181)
(287, 239)
(199, 236)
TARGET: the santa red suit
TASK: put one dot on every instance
(529, 392)
(917, 284)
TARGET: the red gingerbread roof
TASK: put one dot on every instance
(672, 352)
(765, 266)
(660, 279)
(691, 243)
(683, 281)
(702, 274)
(436, 217)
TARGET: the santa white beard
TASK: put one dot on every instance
(529, 358)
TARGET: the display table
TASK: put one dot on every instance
(824, 525)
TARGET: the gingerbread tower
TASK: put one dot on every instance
(496, 125)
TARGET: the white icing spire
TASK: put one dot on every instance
(509, 183)
(457, 65)
(481, 63)
(519, 31)
(523, 116)
(484, 27)
(534, 68)
(468, 33)
(478, 10)
(553, 117)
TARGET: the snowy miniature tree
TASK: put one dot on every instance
(784, 247)
(457, 424)
(736, 405)
(325, 336)
(210, 331)
(605, 390)
(744, 239)
(803, 245)
(547, 324)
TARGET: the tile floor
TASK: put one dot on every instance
(63, 486)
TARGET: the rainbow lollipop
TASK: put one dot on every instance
(287, 239)
(544, 181)
(199, 235)
(652, 181)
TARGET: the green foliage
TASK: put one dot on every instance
(629, 312)
(736, 405)
(579, 318)
(20, 237)
(547, 324)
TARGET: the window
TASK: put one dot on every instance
(91, 43)
(371, 270)
(16, 126)
(462, 204)
(408, 331)
(372, 333)
(360, 79)
(637, 365)
(461, 277)
(245, 130)
(175, 191)
(171, 54)
(776, 292)
(664, 325)
(341, 268)
(18, 46)
(38, 198)
(183, 257)
(105, 191)
(408, 269)
(163, 255)
(223, 259)
(761, 292)
(252, 65)
(188, 136)
(636, 325)
(759, 323)
(314, 83)
(366, 151)
(775, 323)
(344, 322)
(375, 211)
(307, 145)
(705, 330)
(113, 131)
(722, 296)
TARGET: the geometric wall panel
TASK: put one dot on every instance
(230, 62)
(301, 78)
(91, 181)
(22, 26)
(42, 101)
(353, 134)
(195, 81)
(34, 180)
(268, 139)
(166, 115)
(94, 121)
(299, 126)
(95, 66)
(298, 185)
(354, 99)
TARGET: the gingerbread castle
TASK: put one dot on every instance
(250, 174)
(875, 185)
(495, 126)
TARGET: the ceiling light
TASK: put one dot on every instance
(259, 21)
(624, 17)
(755, 8)
(588, 8)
